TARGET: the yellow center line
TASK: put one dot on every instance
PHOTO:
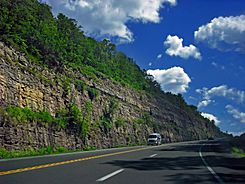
(66, 162)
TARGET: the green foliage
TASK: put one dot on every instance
(88, 107)
(80, 85)
(238, 152)
(147, 119)
(67, 84)
(89, 148)
(45, 117)
(106, 122)
(62, 118)
(107, 118)
(25, 115)
(75, 115)
(92, 93)
(31, 152)
(113, 106)
(60, 149)
(59, 42)
(139, 121)
(87, 119)
(120, 122)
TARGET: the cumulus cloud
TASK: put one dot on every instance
(204, 103)
(236, 114)
(211, 117)
(223, 33)
(173, 80)
(109, 17)
(175, 47)
(220, 91)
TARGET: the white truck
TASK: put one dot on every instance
(154, 139)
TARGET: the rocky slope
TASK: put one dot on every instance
(136, 114)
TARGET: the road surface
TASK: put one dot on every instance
(189, 162)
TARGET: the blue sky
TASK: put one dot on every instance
(192, 47)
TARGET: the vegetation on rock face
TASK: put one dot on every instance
(60, 44)
(109, 111)
(71, 117)
(25, 115)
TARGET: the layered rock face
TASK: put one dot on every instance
(25, 84)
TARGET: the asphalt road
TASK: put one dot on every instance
(190, 162)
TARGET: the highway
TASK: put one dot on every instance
(188, 162)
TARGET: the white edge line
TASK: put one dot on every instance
(110, 175)
(153, 155)
(209, 168)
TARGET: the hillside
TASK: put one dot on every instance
(62, 88)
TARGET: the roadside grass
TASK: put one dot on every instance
(238, 152)
(30, 152)
(5, 154)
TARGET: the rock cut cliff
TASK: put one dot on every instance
(117, 115)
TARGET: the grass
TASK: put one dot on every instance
(5, 154)
(29, 152)
(238, 152)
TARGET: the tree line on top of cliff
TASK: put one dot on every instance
(58, 43)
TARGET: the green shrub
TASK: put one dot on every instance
(24, 115)
(106, 122)
(45, 117)
(239, 152)
(89, 148)
(62, 118)
(92, 93)
(139, 121)
(60, 149)
(120, 122)
(113, 106)
(80, 85)
(107, 118)
(87, 119)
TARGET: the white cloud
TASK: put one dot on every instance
(110, 17)
(211, 117)
(224, 33)
(236, 114)
(150, 64)
(236, 133)
(175, 47)
(173, 80)
(220, 91)
(159, 56)
(216, 65)
(204, 103)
